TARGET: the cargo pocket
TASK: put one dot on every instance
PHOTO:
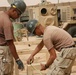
(66, 57)
(69, 53)
(6, 67)
(61, 72)
(65, 63)
(57, 71)
(1, 63)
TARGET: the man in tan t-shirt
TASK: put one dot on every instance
(7, 47)
(54, 38)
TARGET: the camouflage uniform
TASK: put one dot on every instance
(6, 61)
(63, 63)
(6, 33)
(64, 44)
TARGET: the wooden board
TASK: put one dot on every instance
(34, 69)
(32, 41)
(24, 55)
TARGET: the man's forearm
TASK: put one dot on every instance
(50, 61)
(52, 57)
(12, 49)
(38, 48)
(14, 52)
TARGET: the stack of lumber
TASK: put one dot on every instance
(24, 50)
(24, 54)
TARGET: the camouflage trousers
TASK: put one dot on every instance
(6, 61)
(63, 63)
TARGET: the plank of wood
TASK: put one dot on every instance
(34, 69)
(16, 71)
(26, 47)
(40, 57)
(74, 69)
(32, 41)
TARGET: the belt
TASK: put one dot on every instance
(69, 46)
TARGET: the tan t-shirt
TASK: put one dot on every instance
(57, 38)
(6, 28)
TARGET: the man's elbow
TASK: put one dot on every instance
(53, 57)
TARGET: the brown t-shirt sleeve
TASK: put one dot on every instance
(8, 30)
(48, 43)
(54, 37)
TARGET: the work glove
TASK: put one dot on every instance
(20, 64)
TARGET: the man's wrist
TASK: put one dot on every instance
(46, 66)
(17, 59)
